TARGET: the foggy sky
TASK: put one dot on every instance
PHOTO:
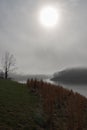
(44, 50)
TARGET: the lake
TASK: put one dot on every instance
(82, 89)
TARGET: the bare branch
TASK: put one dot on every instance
(8, 63)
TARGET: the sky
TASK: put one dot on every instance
(40, 50)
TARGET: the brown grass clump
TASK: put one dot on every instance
(63, 109)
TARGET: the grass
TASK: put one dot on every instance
(40, 106)
(17, 106)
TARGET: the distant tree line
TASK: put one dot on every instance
(71, 76)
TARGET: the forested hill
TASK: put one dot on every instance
(73, 76)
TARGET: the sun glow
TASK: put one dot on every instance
(49, 16)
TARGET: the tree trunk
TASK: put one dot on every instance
(6, 74)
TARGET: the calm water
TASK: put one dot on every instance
(82, 89)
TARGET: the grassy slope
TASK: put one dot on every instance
(17, 106)
(22, 110)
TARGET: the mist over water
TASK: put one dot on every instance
(82, 89)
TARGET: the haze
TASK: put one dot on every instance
(37, 49)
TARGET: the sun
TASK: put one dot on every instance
(49, 16)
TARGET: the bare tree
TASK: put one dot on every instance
(8, 64)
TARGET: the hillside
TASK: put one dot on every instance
(40, 106)
(18, 107)
(62, 109)
(71, 76)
